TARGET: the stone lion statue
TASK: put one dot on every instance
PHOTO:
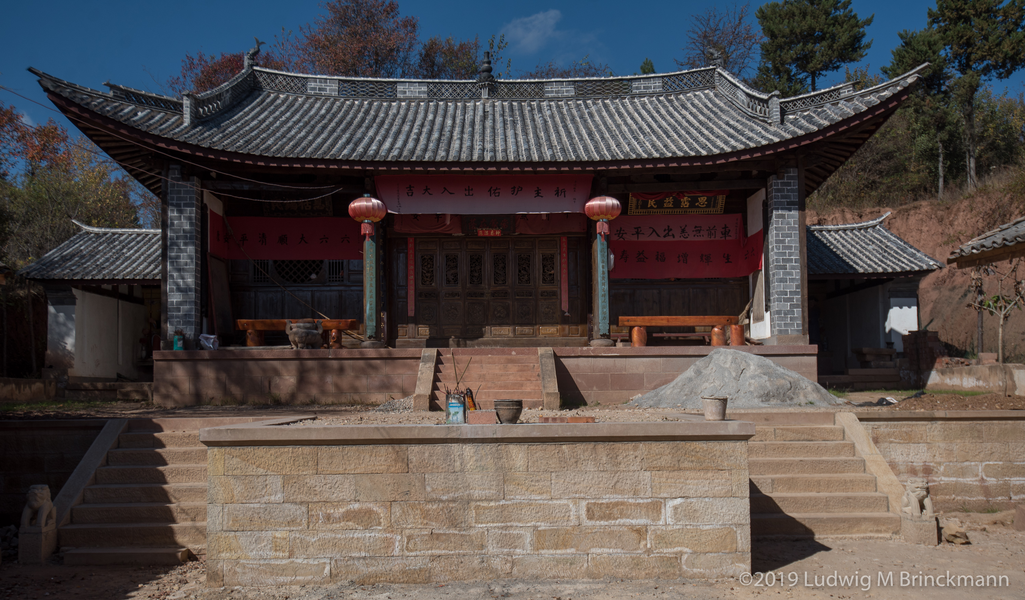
(39, 512)
(304, 335)
(916, 501)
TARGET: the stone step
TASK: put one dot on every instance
(162, 439)
(492, 368)
(526, 357)
(798, 433)
(824, 524)
(137, 391)
(127, 555)
(488, 403)
(868, 502)
(497, 376)
(146, 492)
(139, 512)
(803, 484)
(805, 466)
(156, 456)
(799, 449)
(164, 474)
(490, 385)
(90, 395)
(148, 535)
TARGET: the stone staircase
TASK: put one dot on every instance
(89, 391)
(807, 480)
(147, 505)
(498, 373)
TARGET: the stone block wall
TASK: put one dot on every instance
(448, 510)
(353, 377)
(39, 452)
(972, 461)
(784, 261)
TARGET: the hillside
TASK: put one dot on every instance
(938, 228)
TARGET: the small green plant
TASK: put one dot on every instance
(991, 510)
(227, 401)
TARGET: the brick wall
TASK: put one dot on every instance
(283, 376)
(39, 452)
(784, 260)
(972, 462)
(183, 256)
(446, 510)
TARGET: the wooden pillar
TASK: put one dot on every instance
(370, 295)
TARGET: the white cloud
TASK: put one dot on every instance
(27, 120)
(530, 34)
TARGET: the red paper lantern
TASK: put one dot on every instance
(367, 210)
(603, 209)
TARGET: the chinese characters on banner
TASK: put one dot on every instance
(685, 247)
(483, 195)
(260, 238)
(677, 203)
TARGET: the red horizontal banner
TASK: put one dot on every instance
(264, 238)
(488, 195)
(685, 260)
(690, 228)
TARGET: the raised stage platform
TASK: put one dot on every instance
(566, 376)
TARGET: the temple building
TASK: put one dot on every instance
(476, 229)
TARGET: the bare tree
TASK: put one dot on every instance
(1000, 304)
(723, 30)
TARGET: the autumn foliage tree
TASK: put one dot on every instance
(48, 179)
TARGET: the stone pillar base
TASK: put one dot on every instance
(35, 547)
(372, 344)
(924, 531)
(602, 343)
(785, 340)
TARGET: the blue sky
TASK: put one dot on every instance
(141, 43)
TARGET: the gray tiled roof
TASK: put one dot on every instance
(858, 249)
(697, 113)
(1006, 235)
(99, 254)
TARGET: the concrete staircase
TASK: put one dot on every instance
(147, 505)
(86, 391)
(807, 480)
(498, 373)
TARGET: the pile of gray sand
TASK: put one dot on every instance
(748, 380)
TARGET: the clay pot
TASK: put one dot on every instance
(736, 335)
(639, 337)
(715, 407)
(508, 410)
(718, 336)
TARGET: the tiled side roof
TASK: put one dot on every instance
(867, 248)
(101, 254)
(1006, 235)
(697, 113)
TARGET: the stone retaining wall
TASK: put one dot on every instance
(416, 504)
(973, 460)
(39, 452)
(240, 376)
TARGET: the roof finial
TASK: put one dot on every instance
(485, 80)
(250, 61)
(714, 57)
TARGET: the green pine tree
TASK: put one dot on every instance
(983, 39)
(806, 38)
(647, 67)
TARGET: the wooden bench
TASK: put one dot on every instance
(639, 333)
(255, 328)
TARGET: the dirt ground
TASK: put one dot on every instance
(799, 570)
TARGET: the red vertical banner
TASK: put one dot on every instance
(564, 273)
(410, 277)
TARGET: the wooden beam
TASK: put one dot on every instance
(676, 186)
(677, 321)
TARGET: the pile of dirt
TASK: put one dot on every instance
(748, 380)
(957, 402)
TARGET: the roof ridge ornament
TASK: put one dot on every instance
(485, 80)
(714, 58)
(250, 60)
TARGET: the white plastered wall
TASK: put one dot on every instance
(107, 333)
(902, 318)
(759, 316)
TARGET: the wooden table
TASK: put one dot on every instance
(639, 331)
(255, 328)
